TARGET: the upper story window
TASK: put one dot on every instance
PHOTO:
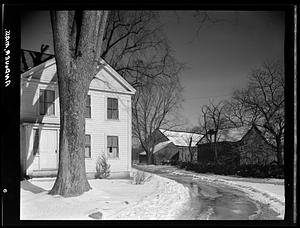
(112, 146)
(87, 112)
(112, 108)
(47, 105)
(87, 146)
(36, 139)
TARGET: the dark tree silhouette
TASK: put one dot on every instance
(77, 39)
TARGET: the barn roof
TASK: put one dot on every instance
(158, 147)
(180, 138)
(230, 134)
(233, 134)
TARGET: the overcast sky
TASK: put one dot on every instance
(218, 58)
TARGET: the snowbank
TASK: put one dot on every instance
(158, 198)
(165, 203)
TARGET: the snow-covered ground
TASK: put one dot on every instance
(265, 190)
(158, 198)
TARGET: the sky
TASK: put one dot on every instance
(218, 56)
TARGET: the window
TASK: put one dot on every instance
(36, 139)
(87, 112)
(112, 146)
(47, 102)
(112, 108)
(87, 146)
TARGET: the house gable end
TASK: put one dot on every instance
(107, 79)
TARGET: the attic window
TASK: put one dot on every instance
(47, 106)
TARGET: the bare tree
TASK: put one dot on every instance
(211, 121)
(263, 99)
(237, 114)
(77, 39)
(189, 139)
(135, 46)
(36, 57)
(153, 106)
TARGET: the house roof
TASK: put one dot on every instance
(158, 147)
(180, 138)
(33, 73)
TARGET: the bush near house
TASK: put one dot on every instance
(102, 168)
(140, 177)
(254, 170)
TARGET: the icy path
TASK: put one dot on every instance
(227, 197)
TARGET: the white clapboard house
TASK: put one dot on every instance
(108, 121)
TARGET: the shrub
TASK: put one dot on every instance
(261, 171)
(140, 177)
(222, 168)
(181, 164)
(102, 168)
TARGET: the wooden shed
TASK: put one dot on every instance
(242, 145)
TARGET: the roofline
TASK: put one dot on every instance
(119, 77)
(105, 65)
(37, 67)
(252, 127)
(180, 131)
(204, 135)
(260, 134)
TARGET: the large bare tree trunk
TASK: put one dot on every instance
(77, 43)
(71, 178)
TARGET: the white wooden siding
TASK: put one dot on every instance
(98, 126)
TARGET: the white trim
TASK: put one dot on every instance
(55, 85)
(117, 76)
(45, 125)
(129, 136)
(105, 66)
(39, 67)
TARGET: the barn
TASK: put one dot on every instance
(242, 145)
(172, 145)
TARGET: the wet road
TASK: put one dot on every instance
(211, 201)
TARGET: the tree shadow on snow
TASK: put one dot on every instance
(28, 186)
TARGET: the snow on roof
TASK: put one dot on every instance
(232, 134)
(158, 147)
(181, 138)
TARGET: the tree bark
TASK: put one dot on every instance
(71, 178)
(77, 42)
